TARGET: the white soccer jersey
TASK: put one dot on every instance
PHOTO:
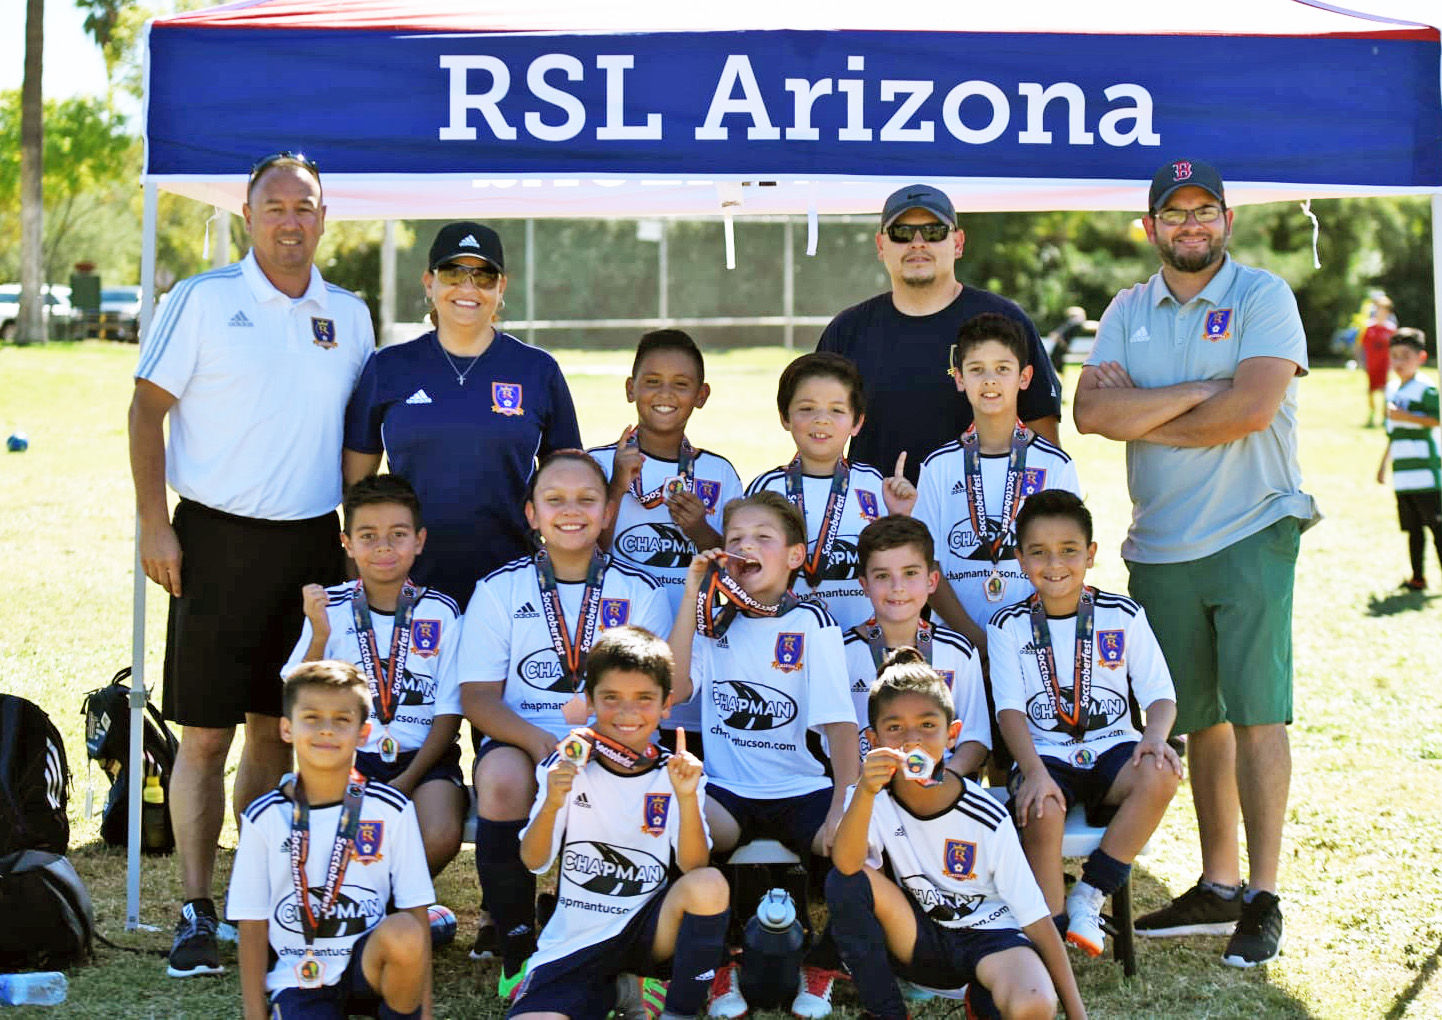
(617, 837)
(1126, 659)
(941, 505)
(388, 862)
(428, 682)
(963, 866)
(650, 541)
(839, 591)
(763, 684)
(504, 638)
(952, 656)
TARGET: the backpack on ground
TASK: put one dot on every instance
(49, 922)
(34, 779)
(107, 743)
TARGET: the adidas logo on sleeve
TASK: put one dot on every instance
(419, 397)
(526, 612)
(239, 319)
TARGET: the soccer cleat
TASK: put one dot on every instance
(507, 984)
(727, 1002)
(913, 993)
(1084, 919)
(195, 950)
(1198, 911)
(813, 993)
(1258, 937)
(638, 998)
(1415, 584)
(487, 939)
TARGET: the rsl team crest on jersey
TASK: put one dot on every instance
(1218, 324)
(789, 650)
(959, 859)
(615, 612)
(948, 676)
(709, 493)
(322, 332)
(1112, 648)
(866, 503)
(1033, 480)
(506, 398)
(655, 809)
(368, 842)
(426, 638)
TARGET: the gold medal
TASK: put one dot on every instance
(575, 749)
(389, 748)
(995, 586)
(310, 972)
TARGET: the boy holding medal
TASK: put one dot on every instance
(666, 495)
(619, 815)
(414, 700)
(929, 882)
(970, 491)
(898, 574)
(1065, 664)
(329, 849)
(822, 404)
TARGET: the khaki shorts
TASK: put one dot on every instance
(1225, 626)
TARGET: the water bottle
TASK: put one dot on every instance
(45, 988)
(771, 954)
(154, 819)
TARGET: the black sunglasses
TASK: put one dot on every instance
(263, 164)
(902, 233)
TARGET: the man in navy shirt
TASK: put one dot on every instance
(901, 341)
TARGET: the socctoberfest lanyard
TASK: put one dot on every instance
(1076, 715)
(815, 565)
(721, 597)
(1010, 500)
(685, 468)
(384, 676)
(571, 652)
(310, 971)
(870, 632)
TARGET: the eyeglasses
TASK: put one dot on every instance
(263, 164)
(902, 233)
(1202, 214)
(453, 275)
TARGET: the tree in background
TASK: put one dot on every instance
(32, 209)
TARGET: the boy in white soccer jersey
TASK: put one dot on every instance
(768, 669)
(1411, 423)
(822, 404)
(898, 573)
(618, 813)
(962, 908)
(970, 491)
(524, 641)
(319, 859)
(416, 709)
(1065, 664)
(666, 494)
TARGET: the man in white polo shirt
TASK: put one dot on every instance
(253, 364)
(1197, 370)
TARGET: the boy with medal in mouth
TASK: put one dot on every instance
(929, 882)
(1065, 664)
(666, 494)
(610, 803)
(769, 670)
(330, 849)
(898, 574)
(822, 404)
(403, 637)
(520, 667)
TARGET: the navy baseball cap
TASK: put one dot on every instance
(465, 238)
(1184, 173)
(918, 196)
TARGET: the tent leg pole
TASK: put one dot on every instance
(531, 337)
(788, 291)
(388, 283)
(138, 694)
(1437, 268)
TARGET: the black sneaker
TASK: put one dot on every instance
(1258, 937)
(1198, 911)
(487, 943)
(195, 950)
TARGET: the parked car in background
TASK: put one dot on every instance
(62, 319)
(120, 314)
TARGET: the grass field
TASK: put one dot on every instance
(1362, 869)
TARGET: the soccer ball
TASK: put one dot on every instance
(443, 925)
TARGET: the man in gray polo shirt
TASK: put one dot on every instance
(1196, 371)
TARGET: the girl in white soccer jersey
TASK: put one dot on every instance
(963, 908)
(1064, 666)
(822, 405)
(524, 640)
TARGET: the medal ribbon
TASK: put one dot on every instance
(614, 751)
(340, 853)
(1011, 494)
(685, 467)
(571, 653)
(870, 632)
(1075, 716)
(384, 675)
(830, 521)
(718, 587)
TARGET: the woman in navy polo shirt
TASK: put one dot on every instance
(462, 412)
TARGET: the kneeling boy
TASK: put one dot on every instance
(352, 845)
(618, 812)
(1064, 666)
(957, 914)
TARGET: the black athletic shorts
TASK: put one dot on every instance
(239, 614)
(1419, 509)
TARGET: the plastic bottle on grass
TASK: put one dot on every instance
(43, 988)
(154, 820)
(771, 957)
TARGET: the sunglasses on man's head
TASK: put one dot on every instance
(263, 164)
(453, 275)
(902, 233)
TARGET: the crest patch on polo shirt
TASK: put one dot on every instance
(322, 332)
(1218, 325)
